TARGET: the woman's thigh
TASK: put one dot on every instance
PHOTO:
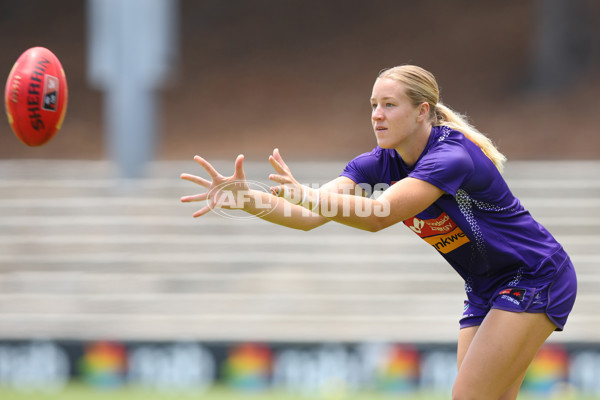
(465, 337)
(493, 356)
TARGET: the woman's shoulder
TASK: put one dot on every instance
(443, 134)
(375, 156)
(448, 144)
(371, 166)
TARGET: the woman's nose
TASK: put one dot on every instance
(377, 114)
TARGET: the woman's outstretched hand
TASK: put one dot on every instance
(222, 192)
(289, 188)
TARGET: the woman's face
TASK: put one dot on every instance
(393, 116)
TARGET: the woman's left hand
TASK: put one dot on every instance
(289, 188)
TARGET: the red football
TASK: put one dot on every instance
(36, 96)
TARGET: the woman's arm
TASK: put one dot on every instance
(233, 192)
(402, 200)
(276, 210)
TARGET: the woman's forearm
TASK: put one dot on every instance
(278, 211)
(356, 211)
(399, 202)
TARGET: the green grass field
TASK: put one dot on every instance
(80, 392)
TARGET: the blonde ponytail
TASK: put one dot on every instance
(421, 87)
(444, 115)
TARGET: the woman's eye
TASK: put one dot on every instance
(389, 104)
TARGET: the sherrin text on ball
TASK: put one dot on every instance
(36, 96)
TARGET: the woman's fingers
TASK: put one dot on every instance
(289, 187)
(202, 211)
(277, 162)
(219, 184)
(239, 168)
(276, 165)
(276, 190)
(277, 156)
(196, 179)
(207, 166)
(196, 197)
(279, 179)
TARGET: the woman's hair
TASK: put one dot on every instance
(421, 87)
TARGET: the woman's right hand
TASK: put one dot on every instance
(222, 192)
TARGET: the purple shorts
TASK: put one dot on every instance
(555, 298)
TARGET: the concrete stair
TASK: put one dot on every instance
(85, 255)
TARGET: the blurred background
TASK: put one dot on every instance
(248, 76)
(107, 279)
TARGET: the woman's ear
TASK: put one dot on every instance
(423, 112)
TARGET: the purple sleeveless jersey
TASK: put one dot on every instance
(478, 225)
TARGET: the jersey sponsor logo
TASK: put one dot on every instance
(516, 293)
(441, 232)
(417, 226)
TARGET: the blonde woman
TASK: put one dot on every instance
(443, 181)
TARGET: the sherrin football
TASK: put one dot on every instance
(36, 96)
